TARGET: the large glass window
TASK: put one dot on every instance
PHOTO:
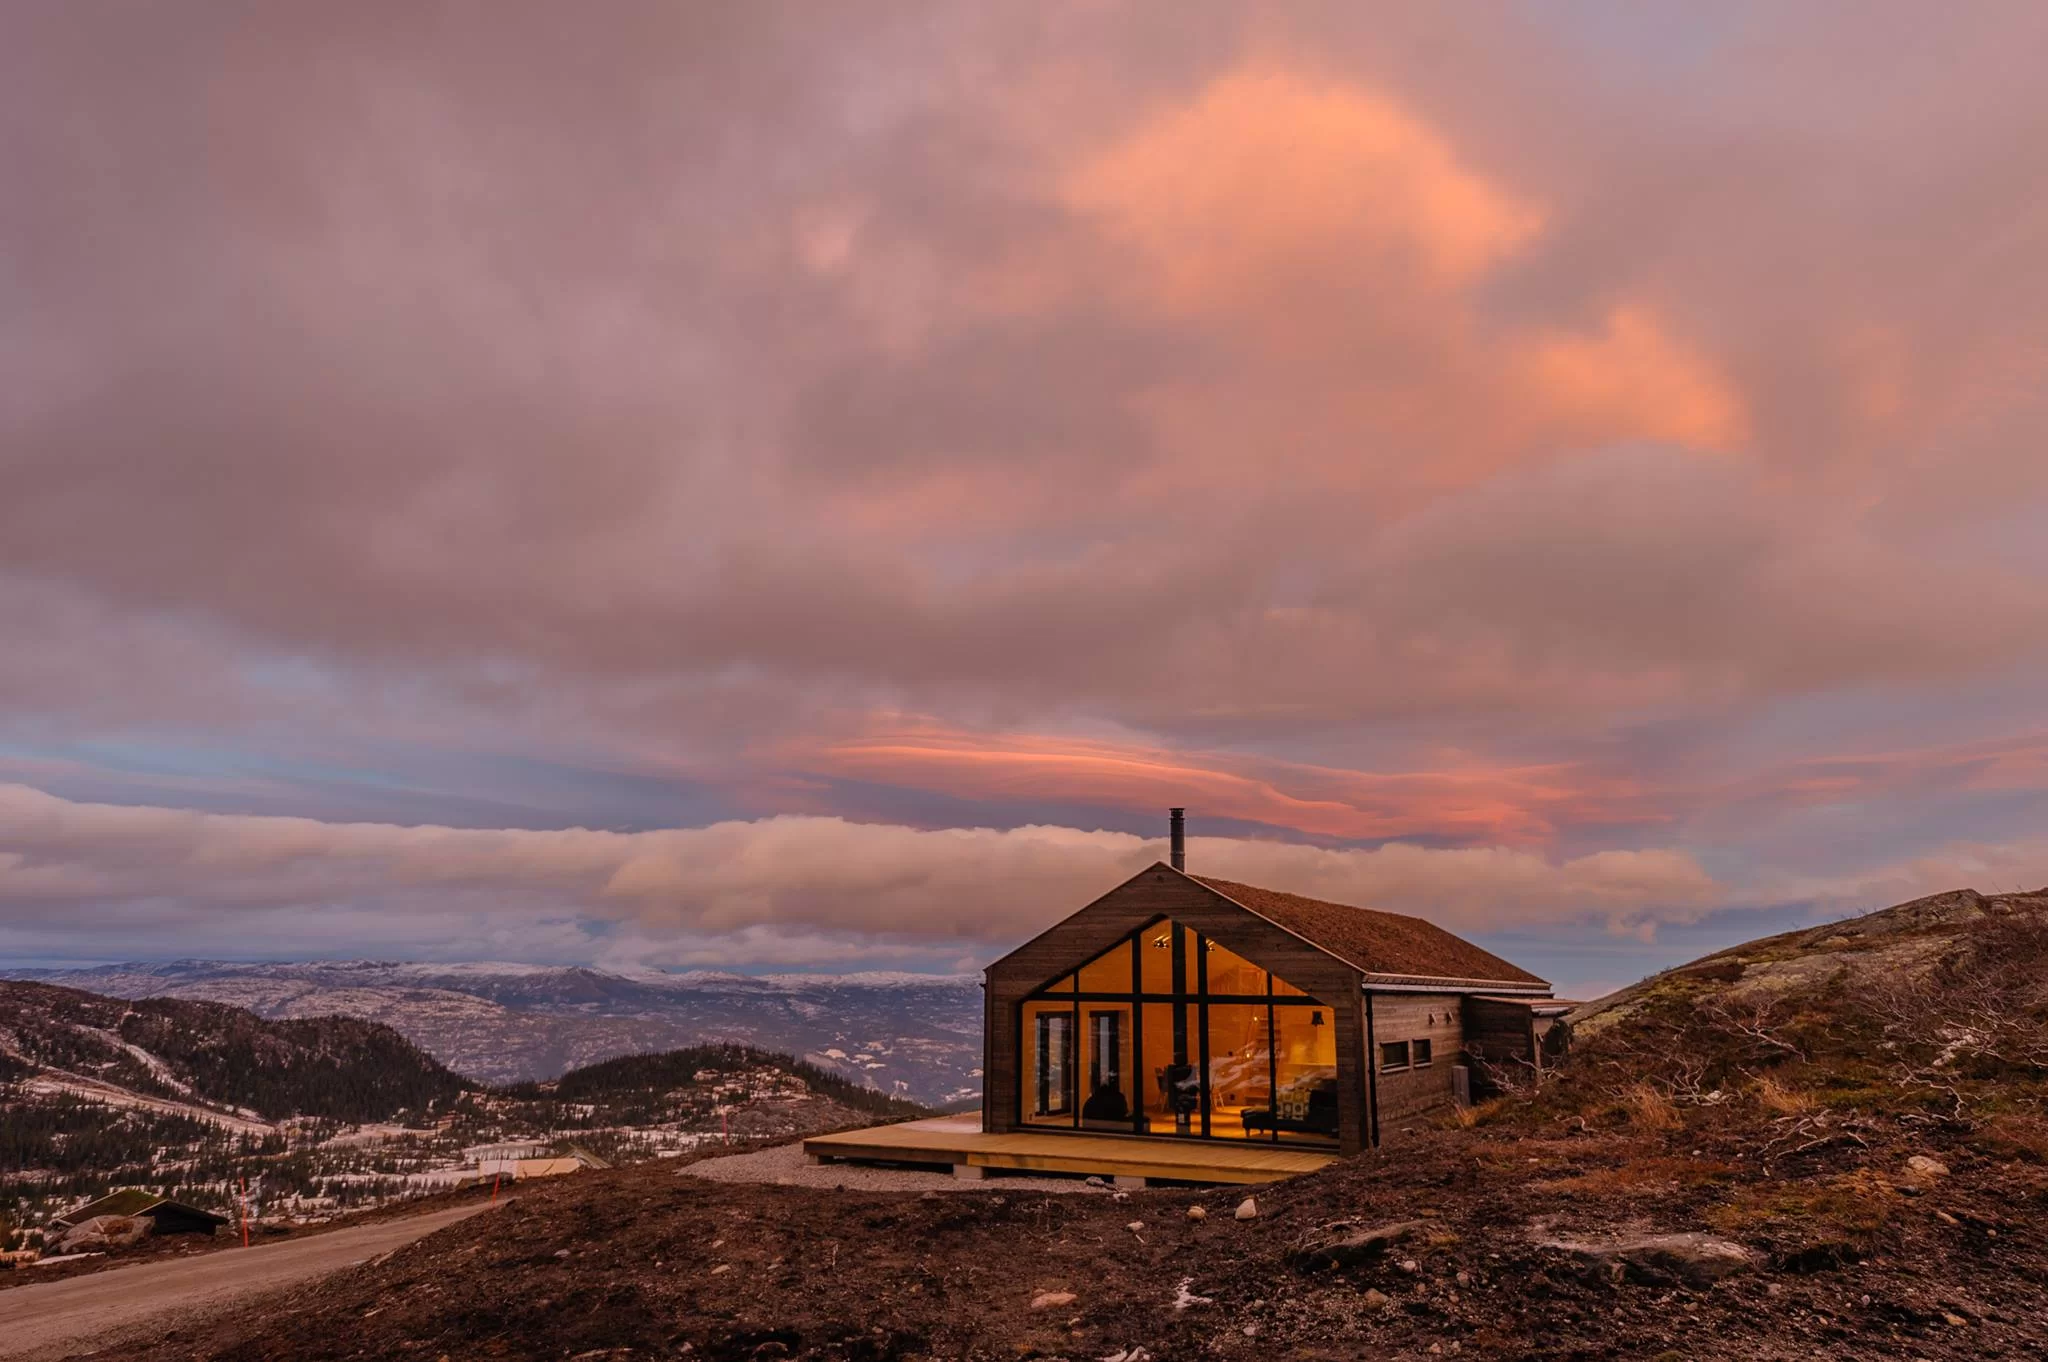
(1109, 1093)
(1168, 1033)
(1240, 1068)
(1108, 973)
(1048, 1069)
(1304, 1074)
(1230, 972)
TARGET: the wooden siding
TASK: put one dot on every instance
(1434, 1017)
(1501, 1032)
(1156, 892)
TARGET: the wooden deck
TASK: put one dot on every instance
(959, 1141)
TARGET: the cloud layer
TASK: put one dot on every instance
(1601, 456)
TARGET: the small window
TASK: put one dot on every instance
(1393, 1055)
(1420, 1050)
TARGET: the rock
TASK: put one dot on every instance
(1377, 1299)
(1095, 1182)
(1658, 1259)
(1197, 1213)
(1920, 1166)
(1345, 1245)
(1953, 1321)
(1248, 1209)
(1410, 1266)
(1135, 1226)
(1464, 1279)
(721, 1269)
(1945, 1218)
(1047, 1300)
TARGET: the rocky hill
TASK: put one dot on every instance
(909, 1035)
(1827, 1144)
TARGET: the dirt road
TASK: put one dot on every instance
(63, 1318)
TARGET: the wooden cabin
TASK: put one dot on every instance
(1184, 1007)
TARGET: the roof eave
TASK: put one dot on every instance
(1425, 983)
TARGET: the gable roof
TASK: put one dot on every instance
(1384, 944)
(134, 1201)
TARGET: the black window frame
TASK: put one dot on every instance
(1407, 1061)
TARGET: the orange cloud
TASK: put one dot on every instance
(1343, 244)
(1269, 173)
(1633, 378)
(1510, 806)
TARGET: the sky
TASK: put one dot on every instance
(806, 486)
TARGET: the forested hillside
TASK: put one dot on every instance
(672, 1069)
(214, 1055)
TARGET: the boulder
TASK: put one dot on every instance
(1248, 1209)
(1658, 1259)
(1920, 1166)
(1051, 1300)
(1345, 1244)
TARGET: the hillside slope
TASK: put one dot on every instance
(1829, 1144)
(212, 1059)
(914, 1036)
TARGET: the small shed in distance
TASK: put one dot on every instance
(165, 1216)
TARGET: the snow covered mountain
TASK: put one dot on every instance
(914, 1035)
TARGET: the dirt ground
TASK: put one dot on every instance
(642, 1262)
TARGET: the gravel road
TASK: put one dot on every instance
(62, 1318)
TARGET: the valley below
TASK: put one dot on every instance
(907, 1035)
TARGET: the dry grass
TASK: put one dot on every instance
(1855, 1205)
(1657, 1173)
(2014, 1137)
(1783, 1099)
(1478, 1114)
(1650, 1108)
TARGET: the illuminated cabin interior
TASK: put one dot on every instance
(1190, 1008)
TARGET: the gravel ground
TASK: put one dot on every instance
(784, 1166)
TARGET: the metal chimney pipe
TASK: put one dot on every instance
(1177, 822)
